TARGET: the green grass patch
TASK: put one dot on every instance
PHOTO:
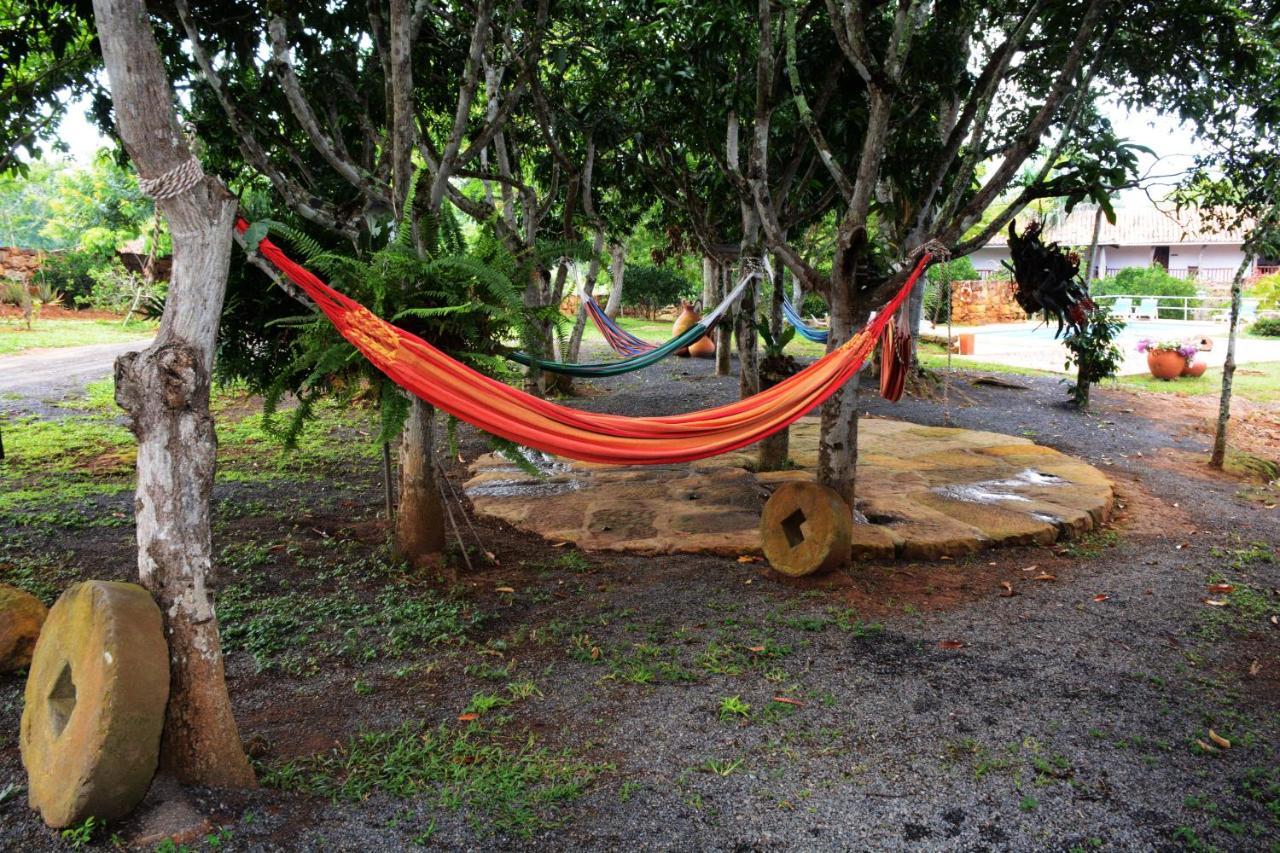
(1258, 382)
(505, 781)
(57, 333)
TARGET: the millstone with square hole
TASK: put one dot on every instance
(806, 528)
(95, 703)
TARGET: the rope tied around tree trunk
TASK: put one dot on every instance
(173, 183)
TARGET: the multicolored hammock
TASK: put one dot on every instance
(497, 408)
(619, 339)
(818, 336)
(652, 355)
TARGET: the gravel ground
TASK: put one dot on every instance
(937, 714)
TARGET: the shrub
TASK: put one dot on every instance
(116, 289)
(70, 273)
(1267, 326)
(1267, 291)
(653, 288)
(1148, 281)
(1093, 351)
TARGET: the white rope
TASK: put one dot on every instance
(174, 182)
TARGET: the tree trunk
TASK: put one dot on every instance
(165, 390)
(617, 269)
(588, 287)
(420, 521)
(775, 303)
(709, 272)
(771, 453)
(744, 330)
(537, 346)
(724, 329)
(1093, 250)
(838, 441)
(1219, 455)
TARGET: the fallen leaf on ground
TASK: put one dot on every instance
(559, 544)
(1221, 587)
(1255, 668)
(747, 558)
(755, 648)
(951, 644)
(1006, 590)
(1101, 597)
(1206, 747)
(1219, 739)
(1275, 620)
(1217, 602)
(1030, 568)
(466, 718)
(1045, 576)
(595, 653)
(788, 701)
(504, 589)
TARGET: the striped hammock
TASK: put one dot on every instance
(642, 358)
(501, 410)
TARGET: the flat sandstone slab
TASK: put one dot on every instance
(923, 493)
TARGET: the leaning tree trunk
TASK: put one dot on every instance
(1218, 458)
(838, 442)
(617, 269)
(420, 522)
(165, 390)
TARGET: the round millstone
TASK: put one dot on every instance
(95, 703)
(21, 615)
(806, 528)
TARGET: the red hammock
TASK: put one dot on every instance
(497, 408)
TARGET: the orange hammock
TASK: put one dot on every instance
(497, 408)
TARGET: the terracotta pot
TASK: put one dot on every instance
(703, 347)
(684, 321)
(1194, 368)
(1165, 364)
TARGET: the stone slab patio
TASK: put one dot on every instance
(924, 493)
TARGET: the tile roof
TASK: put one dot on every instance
(1134, 227)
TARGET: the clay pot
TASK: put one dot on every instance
(1194, 368)
(1165, 364)
(688, 316)
(703, 347)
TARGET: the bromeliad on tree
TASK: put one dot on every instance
(1047, 279)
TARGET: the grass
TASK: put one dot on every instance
(57, 470)
(14, 337)
(505, 781)
(1259, 383)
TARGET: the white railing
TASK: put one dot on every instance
(1217, 275)
(1205, 309)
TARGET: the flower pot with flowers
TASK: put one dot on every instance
(1167, 359)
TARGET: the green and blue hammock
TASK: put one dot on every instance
(639, 353)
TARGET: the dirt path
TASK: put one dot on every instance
(38, 375)
(926, 708)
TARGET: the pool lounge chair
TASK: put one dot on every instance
(1122, 307)
(1147, 309)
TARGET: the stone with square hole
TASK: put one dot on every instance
(21, 615)
(95, 703)
(806, 528)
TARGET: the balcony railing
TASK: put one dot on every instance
(1209, 274)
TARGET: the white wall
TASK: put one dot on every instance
(1122, 257)
(988, 258)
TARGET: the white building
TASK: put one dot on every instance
(1184, 243)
